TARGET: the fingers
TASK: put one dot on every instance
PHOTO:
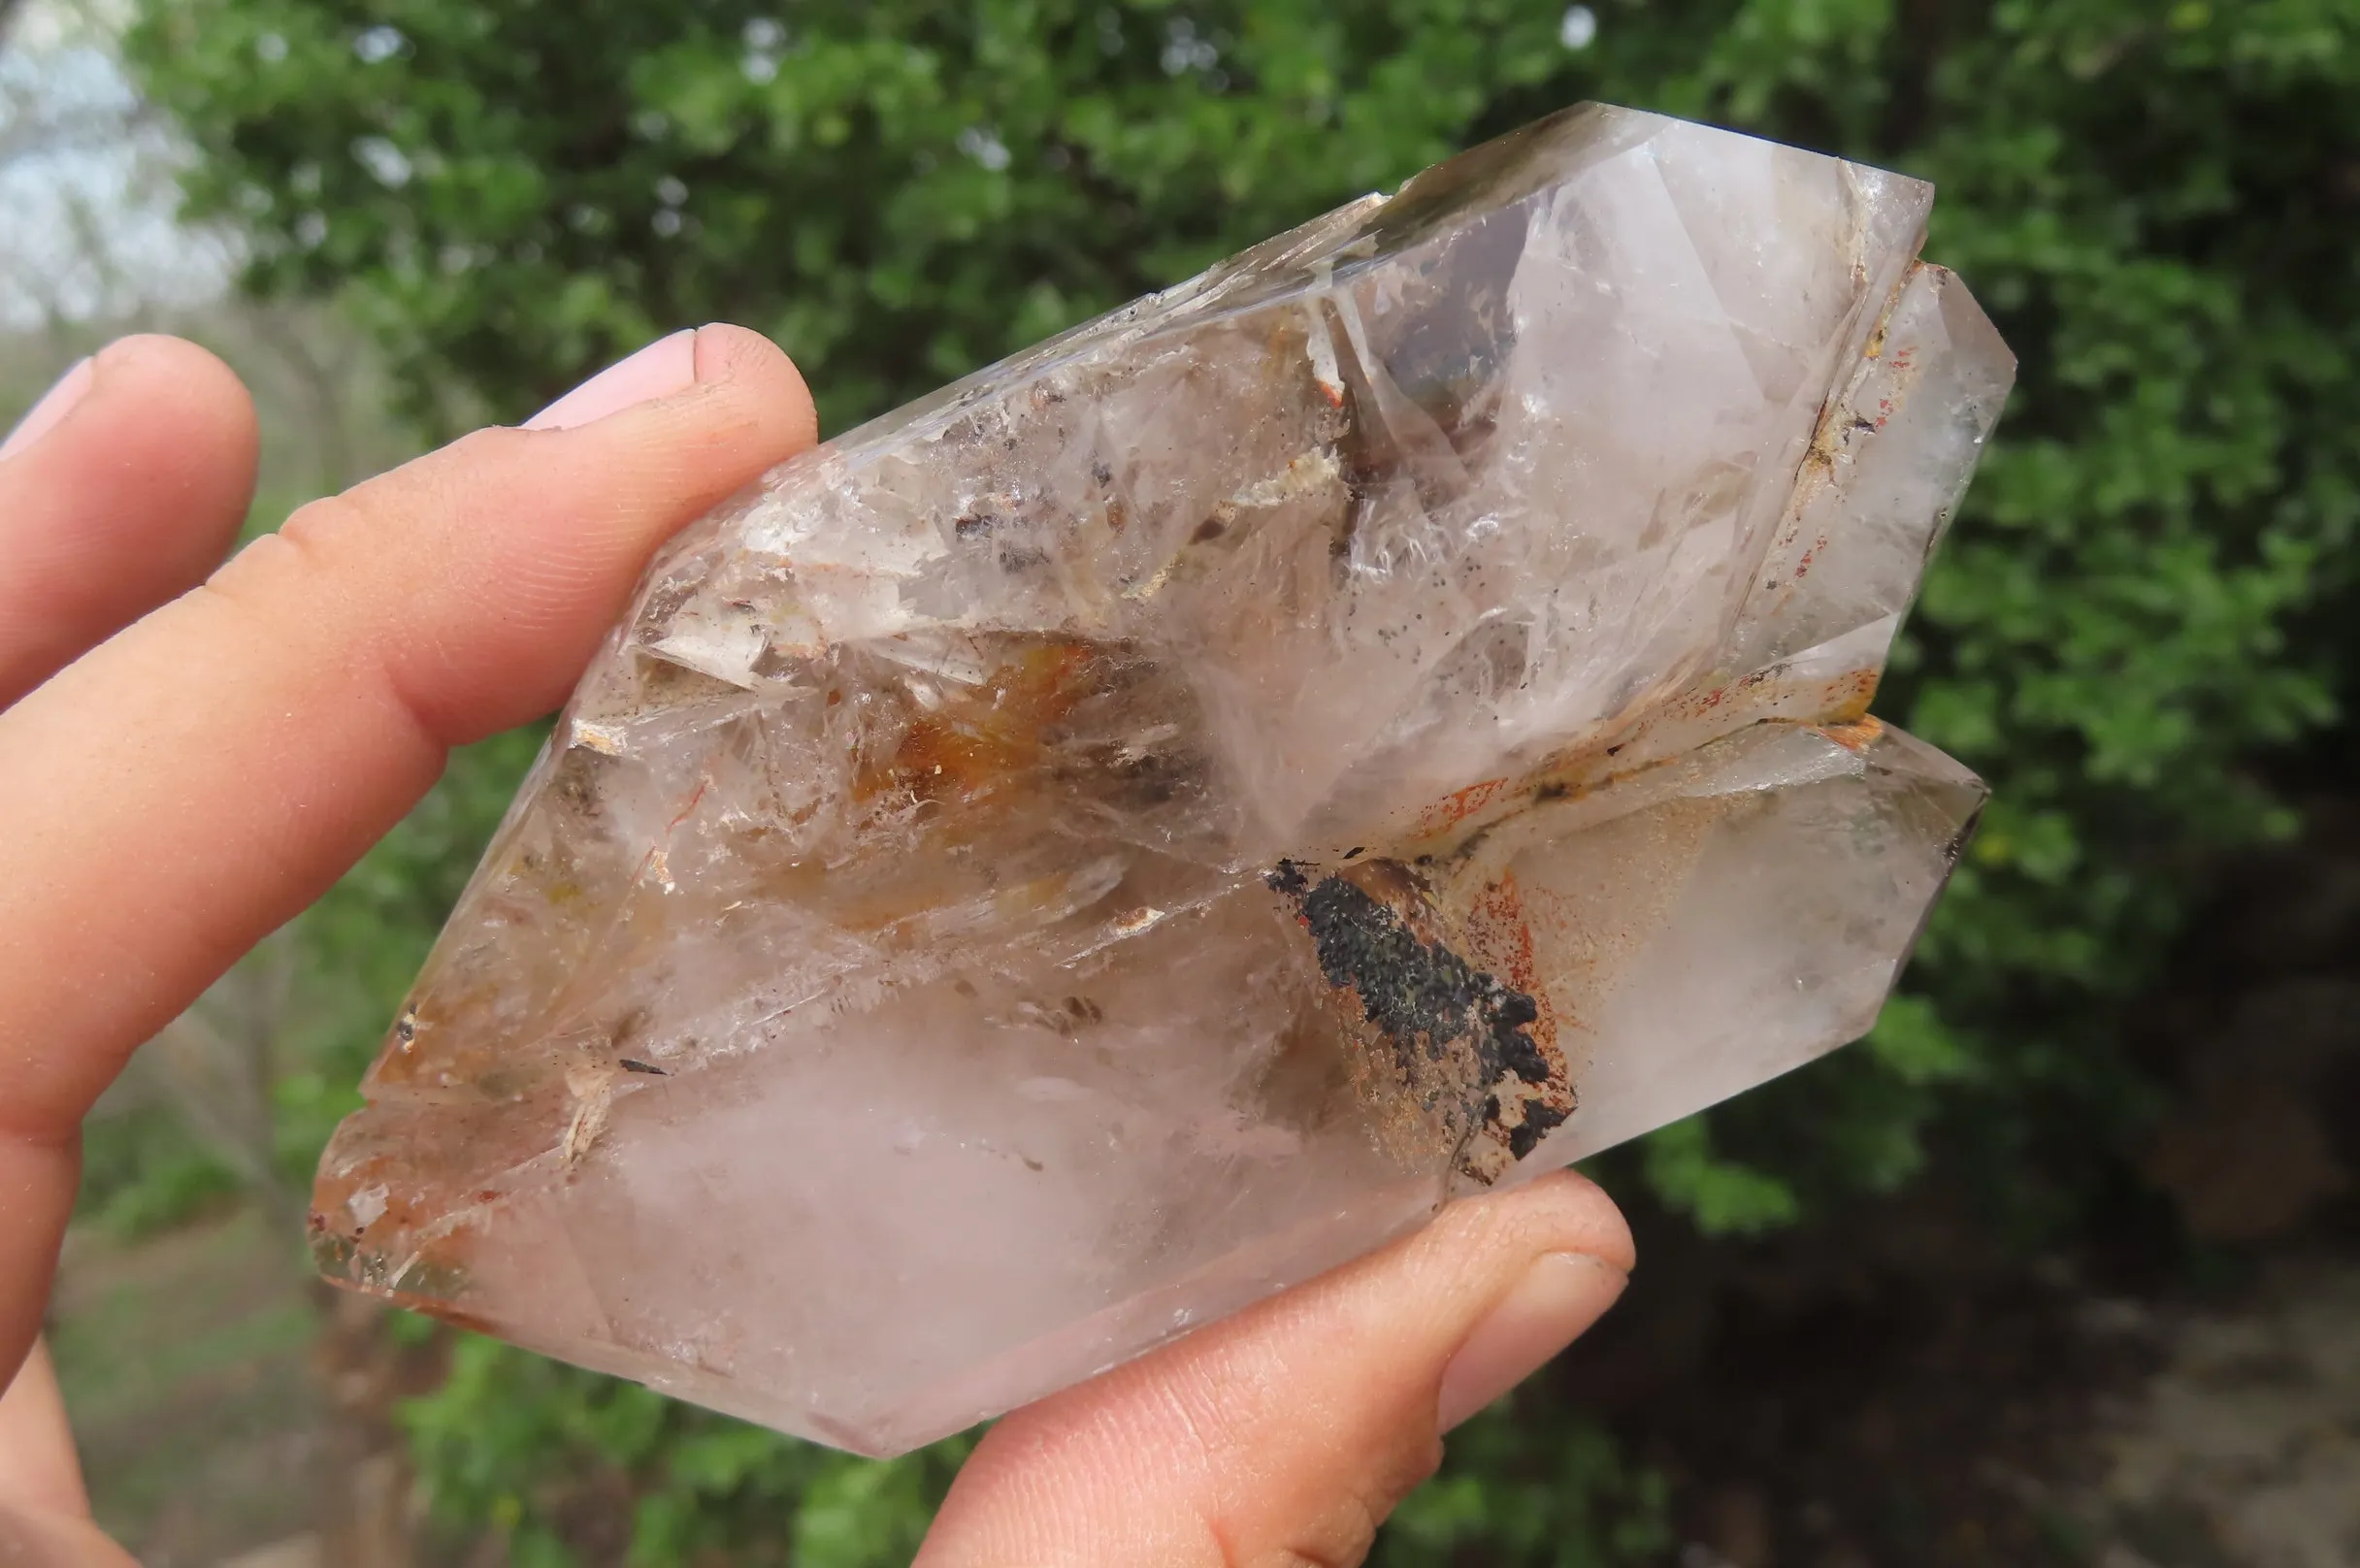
(122, 488)
(191, 784)
(32, 1539)
(1282, 1437)
(45, 1516)
(39, 1469)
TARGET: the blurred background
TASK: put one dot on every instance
(2060, 1266)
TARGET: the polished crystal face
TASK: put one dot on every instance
(1156, 818)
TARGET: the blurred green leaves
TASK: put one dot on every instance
(1519, 1494)
(549, 1455)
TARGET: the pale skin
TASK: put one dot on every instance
(191, 752)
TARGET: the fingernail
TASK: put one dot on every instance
(54, 404)
(664, 366)
(1561, 1294)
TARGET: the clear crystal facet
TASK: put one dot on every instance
(1154, 820)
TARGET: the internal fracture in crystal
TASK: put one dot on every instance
(1156, 818)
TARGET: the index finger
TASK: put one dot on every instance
(190, 785)
(127, 498)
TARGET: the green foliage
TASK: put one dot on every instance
(530, 1446)
(1527, 1495)
(1721, 1196)
(2155, 201)
(143, 1173)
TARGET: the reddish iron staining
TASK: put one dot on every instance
(1546, 912)
(703, 785)
(1500, 936)
(1453, 809)
(1854, 736)
(444, 1312)
(649, 860)
(1846, 699)
(986, 735)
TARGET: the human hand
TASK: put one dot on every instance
(190, 759)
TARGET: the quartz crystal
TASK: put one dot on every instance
(1156, 818)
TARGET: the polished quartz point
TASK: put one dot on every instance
(1154, 820)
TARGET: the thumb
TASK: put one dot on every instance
(1283, 1436)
